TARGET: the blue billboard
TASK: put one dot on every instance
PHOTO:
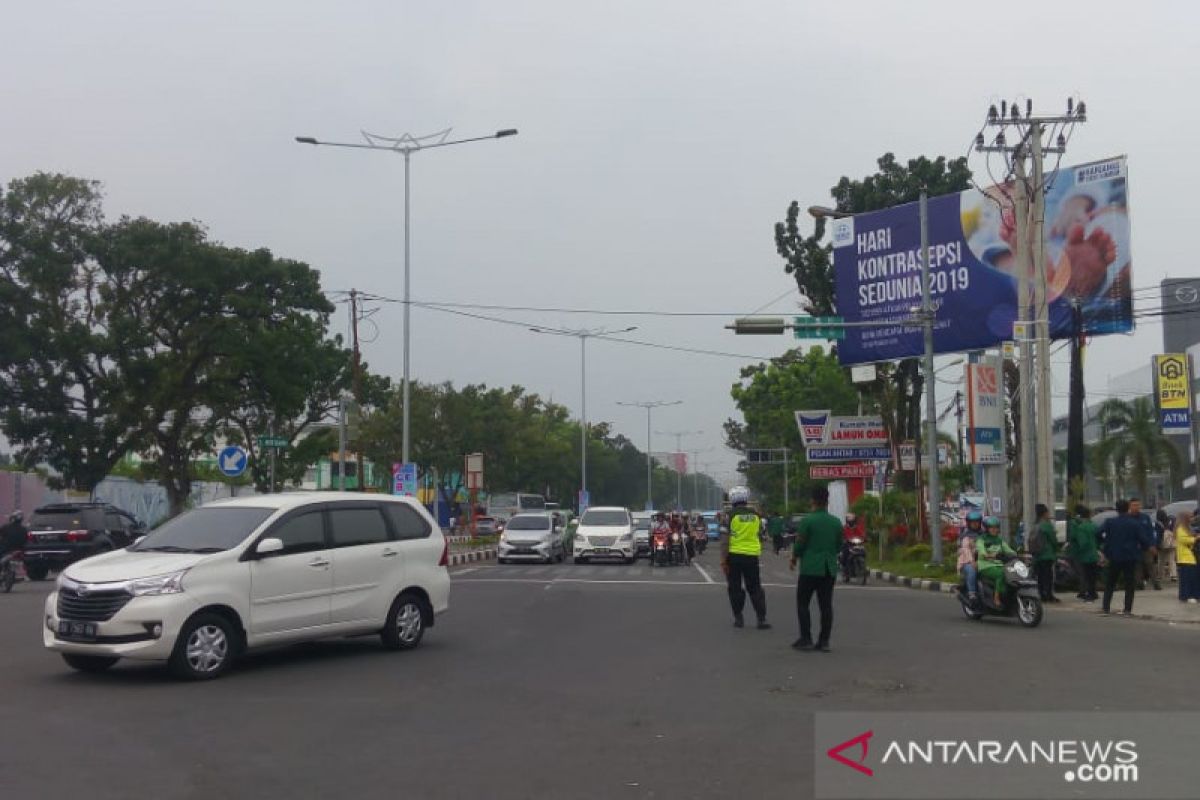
(973, 274)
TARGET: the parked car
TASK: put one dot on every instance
(63, 533)
(239, 574)
(604, 532)
(537, 536)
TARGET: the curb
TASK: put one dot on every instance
(458, 559)
(922, 584)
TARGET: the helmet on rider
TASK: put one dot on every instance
(739, 496)
(974, 520)
(851, 518)
(991, 523)
(16, 516)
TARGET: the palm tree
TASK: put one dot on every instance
(1132, 442)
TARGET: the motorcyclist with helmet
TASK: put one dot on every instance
(966, 552)
(853, 529)
(12, 539)
(990, 551)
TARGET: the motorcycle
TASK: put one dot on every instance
(660, 552)
(701, 542)
(678, 552)
(854, 562)
(10, 570)
(1020, 598)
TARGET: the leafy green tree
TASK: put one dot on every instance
(1133, 443)
(64, 401)
(768, 396)
(207, 328)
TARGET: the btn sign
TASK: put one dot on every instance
(1173, 392)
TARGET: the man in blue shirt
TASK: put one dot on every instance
(1124, 539)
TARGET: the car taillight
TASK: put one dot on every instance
(29, 537)
(444, 561)
(78, 536)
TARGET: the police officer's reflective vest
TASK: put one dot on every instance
(743, 534)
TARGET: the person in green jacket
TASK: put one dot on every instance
(1082, 541)
(989, 552)
(1044, 548)
(817, 545)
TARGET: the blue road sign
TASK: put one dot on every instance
(232, 461)
(857, 453)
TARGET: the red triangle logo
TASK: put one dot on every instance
(861, 741)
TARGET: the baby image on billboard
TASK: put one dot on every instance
(973, 274)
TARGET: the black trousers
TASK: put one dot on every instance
(1128, 572)
(743, 570)
(1087, 581)
(822, 587)
(1045, 578)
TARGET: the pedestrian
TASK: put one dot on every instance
(775, 530)
(1166, 547)
(740, 551)
(1082, 541)
(818, 542)
(1125, 540)
(1185, 555)
(1148, 568)
(1043, 544)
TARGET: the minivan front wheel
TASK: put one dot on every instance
(205, 648)
(405, 623)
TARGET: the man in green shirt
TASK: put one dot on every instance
(1082, 541)
(990, 551)
(817, 545)
(1044, 548)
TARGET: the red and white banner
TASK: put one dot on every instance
(835, 472)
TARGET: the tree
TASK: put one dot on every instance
(1133, 443)
(768, 394)
(64, 401)
(810, 262)
(207, 329)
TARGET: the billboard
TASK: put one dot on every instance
(973, 277)
(822, 428)
(985, 412)
(1173, 393)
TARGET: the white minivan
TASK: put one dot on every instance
(251, 572)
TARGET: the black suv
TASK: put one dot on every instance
(63, 533)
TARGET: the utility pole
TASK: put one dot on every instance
(1075, 412)
(931, 453)
(342, 442)
(958, 412)
(356, 377)
(650, 405)
(1033, 314)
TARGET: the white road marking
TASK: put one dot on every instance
(700, 569)
(464, 571)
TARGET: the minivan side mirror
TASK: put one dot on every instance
(267, 546)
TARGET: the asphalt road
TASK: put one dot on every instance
(561, 681)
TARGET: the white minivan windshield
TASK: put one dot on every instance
(601, 518)
(205, 530)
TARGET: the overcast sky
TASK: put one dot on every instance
(659, 143)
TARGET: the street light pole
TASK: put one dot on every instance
(583, 334)
(650, 405)
(406, 145)
(678, 472)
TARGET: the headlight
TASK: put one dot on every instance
(171, 583)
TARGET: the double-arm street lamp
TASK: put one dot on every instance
(650, 405)
(406, 145)
(583, 334)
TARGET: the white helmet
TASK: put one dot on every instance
(739, 494)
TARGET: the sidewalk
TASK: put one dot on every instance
(1163, 606)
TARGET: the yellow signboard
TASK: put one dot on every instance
(1171, 375)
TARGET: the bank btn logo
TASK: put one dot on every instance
(843, 231)
(814, 426)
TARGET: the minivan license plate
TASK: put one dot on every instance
(78, 631)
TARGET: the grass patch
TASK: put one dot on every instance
(917, 569)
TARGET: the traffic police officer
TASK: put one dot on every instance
(740, 550)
